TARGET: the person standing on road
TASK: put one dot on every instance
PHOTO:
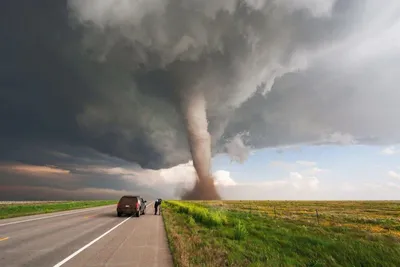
(157, 205)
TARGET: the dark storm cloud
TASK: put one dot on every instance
(44, 90)
(227, 50)
(99, 82)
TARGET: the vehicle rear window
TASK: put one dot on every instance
(126, 200)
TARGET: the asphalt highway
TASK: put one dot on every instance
(88, 237)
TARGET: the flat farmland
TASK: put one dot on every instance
(283, 233)
(11, 209)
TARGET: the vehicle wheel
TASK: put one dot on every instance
(138, 214)
(119, 214)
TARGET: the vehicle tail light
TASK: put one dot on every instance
(137, 205)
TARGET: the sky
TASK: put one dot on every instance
(301, 97)
(320, 172)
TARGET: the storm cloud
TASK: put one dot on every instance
(100, 83)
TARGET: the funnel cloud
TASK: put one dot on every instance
(194, 108)
(157, 83)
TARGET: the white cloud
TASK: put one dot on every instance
(179, 173)
(394, 174)
(302, 174)
(223, 178)
(295, 176)
(390, 150)
(182, 174)
(301, 182)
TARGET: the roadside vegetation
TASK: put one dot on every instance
(286, 233)
(16, 210)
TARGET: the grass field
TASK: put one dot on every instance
(16, 210)
(283, 233)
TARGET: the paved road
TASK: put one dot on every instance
(90, 237)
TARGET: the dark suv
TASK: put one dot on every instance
(131, 205)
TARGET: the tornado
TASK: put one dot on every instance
(194, 110)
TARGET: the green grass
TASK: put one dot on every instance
(347, 233)
(16, 210)
(240, 231)
(200, 214)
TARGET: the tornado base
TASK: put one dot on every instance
(204, 189)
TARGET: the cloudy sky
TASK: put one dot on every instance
(302, 97)
(319, 172)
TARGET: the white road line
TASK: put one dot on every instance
(89, 244)
(56, 215)
(92, 242)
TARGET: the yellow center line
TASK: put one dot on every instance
(3, 238)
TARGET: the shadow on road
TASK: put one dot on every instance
(110, 214)
(114, 214)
